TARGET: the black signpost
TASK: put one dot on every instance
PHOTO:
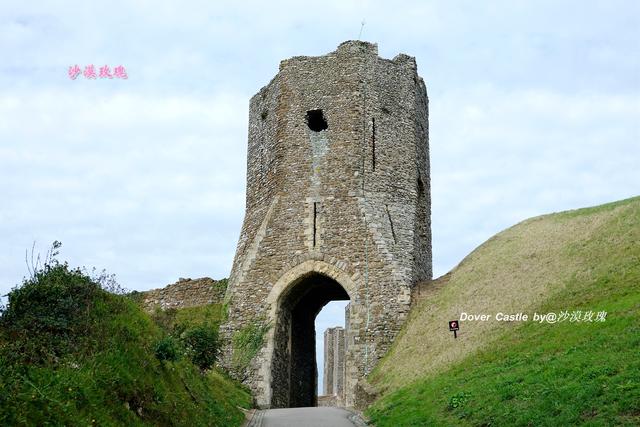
(454, 326)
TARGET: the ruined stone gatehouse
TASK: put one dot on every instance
(337, 208)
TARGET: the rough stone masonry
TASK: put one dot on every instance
(333, 379)
(337, 208)
(184, 293)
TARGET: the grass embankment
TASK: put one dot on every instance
(526, 373)
(206, 314)
(77, 355)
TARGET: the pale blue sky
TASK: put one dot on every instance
(534, 108)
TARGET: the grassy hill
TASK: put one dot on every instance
(526, 373)
(74, 354)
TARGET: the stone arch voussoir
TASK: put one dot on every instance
(334, 269)
(309, 264)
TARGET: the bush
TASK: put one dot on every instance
(167, 349)
(47, 316)
(201, 344)
(96, 363)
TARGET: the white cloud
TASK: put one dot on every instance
(136, 179)
(500, 156)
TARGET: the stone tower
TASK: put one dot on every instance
(337, 208)
(333, 361)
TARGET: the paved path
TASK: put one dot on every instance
(306, 417)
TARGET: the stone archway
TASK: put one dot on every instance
(295, 301)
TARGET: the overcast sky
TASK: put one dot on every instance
(534, 108)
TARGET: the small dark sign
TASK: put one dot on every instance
(454, 326)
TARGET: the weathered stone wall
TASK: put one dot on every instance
(334, 352)
(328, 376)
(185, 293)
(338, 363)
(327, 400)
(338, 193)
(347, 334)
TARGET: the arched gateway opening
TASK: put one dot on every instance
(294, 375)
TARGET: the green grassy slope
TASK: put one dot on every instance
(108, 375)
(526, 373)
(206, 314)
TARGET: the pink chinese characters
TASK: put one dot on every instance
(89, 72)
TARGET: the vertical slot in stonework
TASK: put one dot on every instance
(393, 231)
(315, 221)
(373, 143)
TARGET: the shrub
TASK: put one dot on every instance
(48, 315)
(201, 343)
(167, 349)
(96, 359)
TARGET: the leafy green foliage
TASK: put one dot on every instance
(458, 400)
(189, 317)
(201, 343)
(246, 344)
(195, 330)
(51, 314)
(167, 349)
(222, 284)
(72, 353)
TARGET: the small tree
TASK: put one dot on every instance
(201, 344)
